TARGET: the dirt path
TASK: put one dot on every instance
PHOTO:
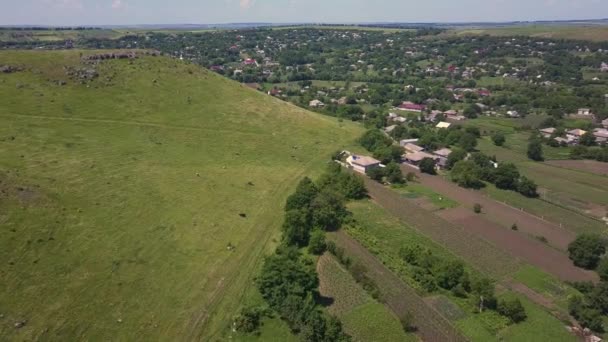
(519, 245)
(399, 297)
(476, 251)
(501, 213)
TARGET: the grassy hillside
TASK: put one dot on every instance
(121, 198)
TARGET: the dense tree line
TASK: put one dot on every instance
(288, 281)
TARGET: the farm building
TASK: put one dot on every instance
(575, 134)
(547, 132)
(362, 163)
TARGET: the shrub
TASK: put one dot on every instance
(375, 173)
(498, 138)
(602, 269)
(512, 309)
(249, 319)
(586, 250)
(535, 150)
(514, 227)
(477, 208)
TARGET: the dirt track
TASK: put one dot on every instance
(498, 212)
(399, 297)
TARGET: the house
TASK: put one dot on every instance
(409, 147)
(584, 111)
(604, 67)
(416, 157)
(316, 104)
(513, 114)
(343, 100)
(250, 61)
(450, 112)
(442, 155)
(411, 107)
(601, 135)
(407, 141)
(574, 136)
(362, 164)
(605, 123)
(547, 132)
(563, 141)
(274, 92)
(443, 124)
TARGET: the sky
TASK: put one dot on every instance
(134, 12)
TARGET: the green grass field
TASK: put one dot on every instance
(418, 191)
(57, 35)
(118, 199)
(363, 318)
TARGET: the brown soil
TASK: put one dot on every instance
(399, 297)
(474, 250)
(591, 166)
(499, 212)
(519, 245)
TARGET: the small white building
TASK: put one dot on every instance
(362, 163)
(443, 124)
(584, 111)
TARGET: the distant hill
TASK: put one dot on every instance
(138, 196)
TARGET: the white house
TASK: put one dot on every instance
(316, 104)
(362, 163)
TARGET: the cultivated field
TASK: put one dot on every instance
(593, 33)
(363, 317)
(138, 206)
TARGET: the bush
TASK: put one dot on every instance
(498, 138)
(427, 165)
(586, 250)
(249, 319)
(527, 187)
(407, 322)
(376, 173)
(514, 227)
(477, 208)
(393, 173)
(512, 309)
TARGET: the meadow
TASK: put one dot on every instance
(139, 205)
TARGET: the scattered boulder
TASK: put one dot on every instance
(20, 324)
(8, 69)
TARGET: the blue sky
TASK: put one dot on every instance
(99, 12)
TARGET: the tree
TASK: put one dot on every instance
(527, 187)
(306, 191)
(376, 173)
(586, 250)
(535, 150)
(466, 174)
(506, 176)
(468, 142)
(317, 245)
(512, 309)
(393, 173)
(427, 165)
(588, 139)
(498, 138)
(296, 227)
(599, 297)
(449, 274)
(602, 269)
(457, 155)
(483, 288)
(328, 210)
